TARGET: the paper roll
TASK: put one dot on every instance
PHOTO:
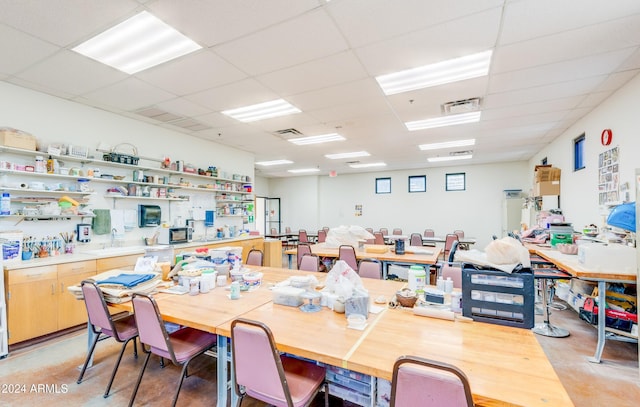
(434, 313)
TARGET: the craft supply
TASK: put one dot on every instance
(235, 290)
(434, 313)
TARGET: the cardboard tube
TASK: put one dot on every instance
(434, 313)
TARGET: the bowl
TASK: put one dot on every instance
(357, 321)
(252, 279)
(118, 177)
(566, 248)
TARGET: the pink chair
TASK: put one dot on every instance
(302, 236)
(255, 257)
(370, 268)
(448, 241)
(460, 233)
(309, 262)
(101, 323)
(416, 239)
(422, 382)
(397, 231)
(302, 249)
(429, 233)
(261, 372)
(370, 230)
(348, 254)
(322, 235)
(378, 238)
(384, 231)
(181, 346)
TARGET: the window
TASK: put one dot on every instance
(455, 182)
(383, 185)
(578, 153)
(417, 183)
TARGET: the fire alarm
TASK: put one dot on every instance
(606, 137)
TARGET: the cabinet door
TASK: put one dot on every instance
(72, 312)
(110, 263)
(32, 303)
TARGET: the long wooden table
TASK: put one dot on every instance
(571, 265)
(387, 257)
(506, 366)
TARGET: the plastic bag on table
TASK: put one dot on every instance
(342, 280)
(507, 251)
(347, 235)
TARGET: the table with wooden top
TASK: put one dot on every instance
(382, 253)
(505, 365)
(571, 265)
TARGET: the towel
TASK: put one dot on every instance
(117, 223)
(126, 280)
(101, 224)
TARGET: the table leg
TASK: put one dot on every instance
(91, 336)
(602, 287)
(222, 371)
(290, 260)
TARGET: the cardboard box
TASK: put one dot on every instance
(544, 173)
(17, 139)
(546, 188)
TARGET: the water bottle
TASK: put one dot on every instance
(5, 206)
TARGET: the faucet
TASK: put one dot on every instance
(113, 236)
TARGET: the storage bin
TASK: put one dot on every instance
(289, 296)
(349, 395)
(497, 297)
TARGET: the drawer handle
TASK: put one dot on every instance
(53, 289)
(77, 268)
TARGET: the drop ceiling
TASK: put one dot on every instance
(553, 62)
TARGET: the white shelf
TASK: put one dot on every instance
(144, 198)
(44, 192)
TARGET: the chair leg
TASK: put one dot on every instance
(182, 376)
(326, 394)
(135, 347)
(115, 368)
(135, 389)
(86, 362)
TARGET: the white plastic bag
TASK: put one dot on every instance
(347, 235)
(507, 251)
(342, 280)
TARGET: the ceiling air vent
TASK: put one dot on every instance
(158, 114)
(462, 152)
(288, 133)
(461, 106)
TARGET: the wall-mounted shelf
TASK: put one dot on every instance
(144, 198)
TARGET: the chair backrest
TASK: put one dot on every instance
(452, 250)
(370, 268)
(151, 328)
(325, 228)
(322, 235)
(384, 231)
(256, 361)
(429, 233)
(460, 233)
(452, 271)
(254, 258)
(97, 310)
(378, 237)
(301, 250)
(302, 236)
(274, 231)
(309, 262)
(448, 241)
(416, 239)
(348, 254)
(397, 231)
(422, 382)
(370, 230)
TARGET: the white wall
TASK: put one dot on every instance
(477, 210)
(579, 189)
(54, 120)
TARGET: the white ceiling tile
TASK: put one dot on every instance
(192, 73)
(182, 107)
(21, 50)
(72, 73)
(243, 93)
(320, 73)
(65, 22)
(311, 36)
(344, 93)
(129, 94)
(616, 80)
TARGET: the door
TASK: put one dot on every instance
(511, 215)
(268, 214)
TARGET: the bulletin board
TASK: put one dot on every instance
(609, 176)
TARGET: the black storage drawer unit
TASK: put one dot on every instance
(496, 297)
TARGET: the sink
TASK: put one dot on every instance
(116, 251)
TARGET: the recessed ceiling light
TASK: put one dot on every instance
(274, 162)
(324, 138)
(449, 158)
(136, 44)
(347, 155)
(447, 144)
(260, 111)
(453, 70)
(303, 170)
(443, 121)
(368, 165)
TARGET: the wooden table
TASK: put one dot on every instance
(571, 265)
(386, 258)
(442, 239)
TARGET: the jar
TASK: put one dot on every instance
(41, 166)
(194, 286)
(83, 185)
(235, 291)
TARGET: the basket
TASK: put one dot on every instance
(121, 158)
(406, 298)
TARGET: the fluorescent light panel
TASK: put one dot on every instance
(368, 165)
(274, 162)
(453, 70)
(447, 144)
(136, 44)
(444, 121)
(261, 111)
(449, 158)
(303, 170)
(323, 138)
(352, 154)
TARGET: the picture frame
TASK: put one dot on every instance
(417, 183)
(383, 185)
(455, 181)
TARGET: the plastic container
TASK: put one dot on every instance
(252, 279)
(289, 296)
(41, 165)
(235, 291)
(5, 204)
(417, 278)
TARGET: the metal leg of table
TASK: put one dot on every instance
(602, 287)
(91, 336)
(222, 371)
(290, 260)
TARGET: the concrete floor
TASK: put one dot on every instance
(47, 373)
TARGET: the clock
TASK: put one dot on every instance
(606, 137)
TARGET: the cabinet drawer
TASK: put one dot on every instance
(32, 274)
(117, 262)
(79, 267)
